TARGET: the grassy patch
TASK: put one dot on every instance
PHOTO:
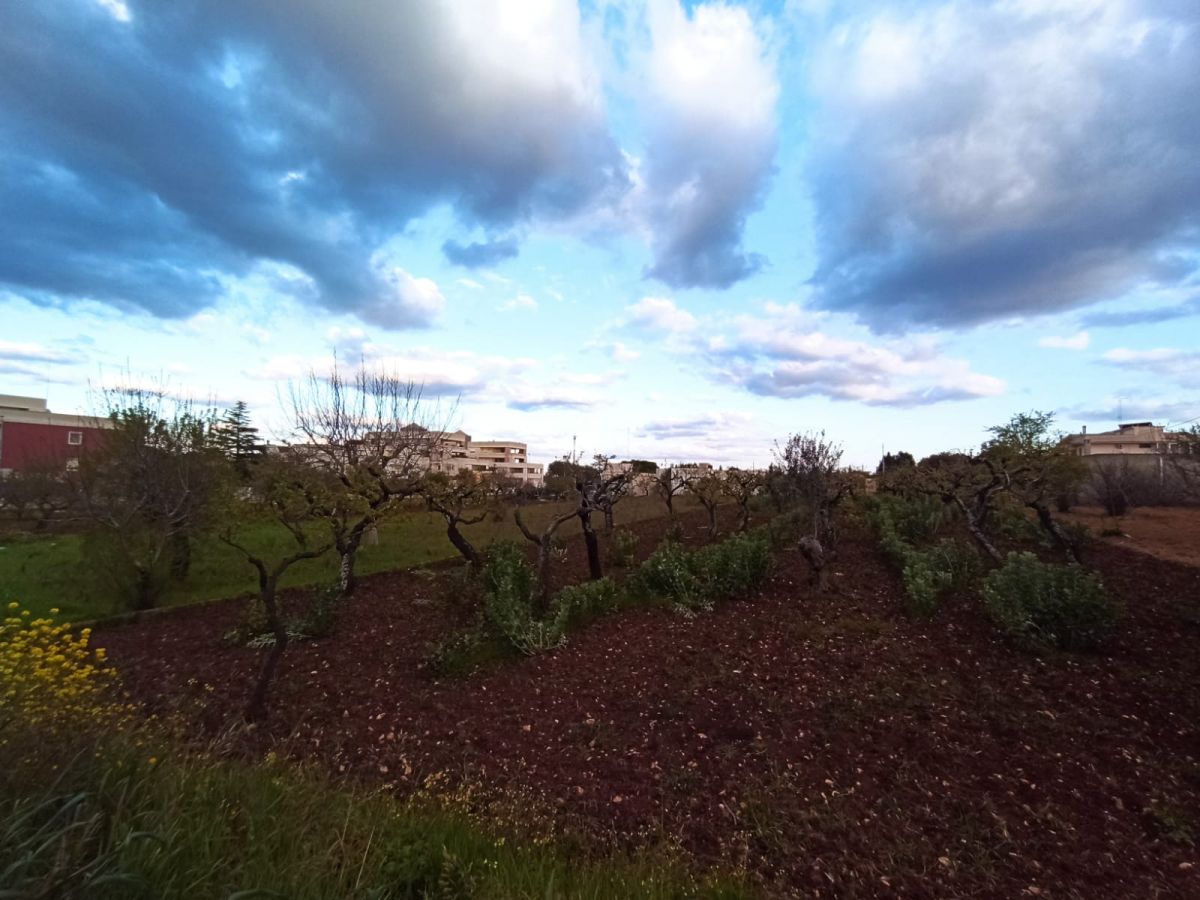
(122, 823)
(50, 571)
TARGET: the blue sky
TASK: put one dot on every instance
(671, 231)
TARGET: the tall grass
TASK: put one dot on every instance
(119, 823)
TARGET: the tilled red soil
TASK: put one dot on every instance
(825, 742)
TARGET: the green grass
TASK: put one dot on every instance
(110, 824)
(42, 573)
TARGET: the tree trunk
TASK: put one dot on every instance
(144, 592)
(349, 550)
(181, 555)
(595, 570)
(463, 546)
(812, 550)
(712, 519)
(670, 505)
(1055, 531)
(256, 708)
(976, 532)
(608, 519)
(744, 522)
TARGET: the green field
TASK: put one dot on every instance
(48, 572)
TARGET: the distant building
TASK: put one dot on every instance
(506, 458)
(33, 437)
(1140, 438)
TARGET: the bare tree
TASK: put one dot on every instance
(452, 497)
(607, 488)
(742, 485)
(39, 494)
(667, 484)
(709, 490)
(286, 489)
(808, 466)
(148, 487)
(376, 435)
(545, 546)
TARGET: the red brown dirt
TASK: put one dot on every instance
(1167, 532)
(825, 742)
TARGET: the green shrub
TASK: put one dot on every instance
(924, 585)
(669, 574)
(623, 549)
(735, 567)
(959, 561)
(321, 616)
(785, 529)
(422, 869)
(915, 520)
(511, 586)
(1038, 604)
(589, 600)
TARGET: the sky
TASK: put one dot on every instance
(651, 229)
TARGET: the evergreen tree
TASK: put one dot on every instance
(237, 438)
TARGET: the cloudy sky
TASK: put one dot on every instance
(672, 231)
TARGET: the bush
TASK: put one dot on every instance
(623, 550)
(669, 574)
(582, 602)
(735, 567)
(732, 568)
(321, 616)
(924, 585)
(915, 520)
(1038, 604)
(511, 586)
(785, 529)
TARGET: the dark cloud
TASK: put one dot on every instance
(480, 254)
(979, 161)
(143, 163)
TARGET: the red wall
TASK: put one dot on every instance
(25, 445)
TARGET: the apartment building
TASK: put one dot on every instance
(458, 451)
(31, 436)
(1139, 438)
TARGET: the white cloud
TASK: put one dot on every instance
(660, 314)
(1165, 362)
(470, 283)
(519, 302)
(404, 300)
(1078, 341)
(33, 352)
(708, 101)
(784, 354)
(623, 354)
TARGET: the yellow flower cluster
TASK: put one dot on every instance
(48, 674)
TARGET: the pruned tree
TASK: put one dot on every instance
(545, 546)
(966, 483)
(461, 499)
(709, 490)
(667, 484)
(377, 436)
(607, 487)
(285, 489)
(808, 464)
(1033, 466)
(742, 486)
(148, 488)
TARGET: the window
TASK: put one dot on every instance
(75, 438)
